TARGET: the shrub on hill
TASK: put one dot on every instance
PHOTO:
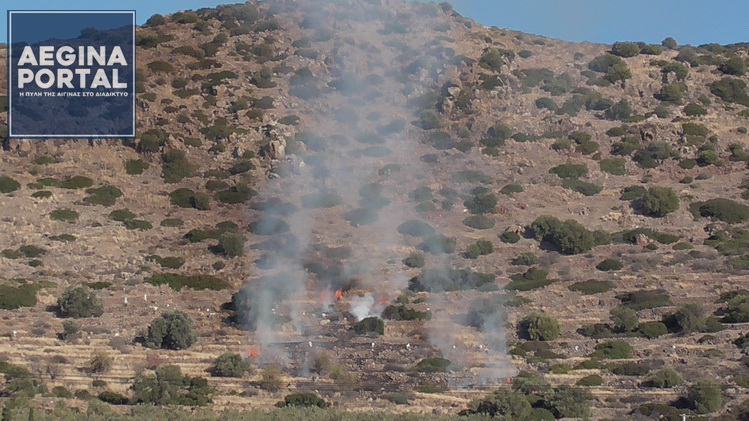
(725, 210)
(569, 170)
(369, 325)
(171, 330)
(659, 201)
(79, 302)
(625, 49)
(613, 350)
(539, 327)
(231, 364)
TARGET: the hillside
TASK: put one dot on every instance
(398, 209)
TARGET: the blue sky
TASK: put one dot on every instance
(689, 21)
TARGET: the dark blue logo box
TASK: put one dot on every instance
(71, 74)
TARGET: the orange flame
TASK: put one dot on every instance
(384, 300)
(509, 380)
(253, 352)
(338, 294)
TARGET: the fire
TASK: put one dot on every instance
(509, 380)
(253, 352)
(338, 294)
(384, 301)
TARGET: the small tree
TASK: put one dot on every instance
(303, 399)
(271, 379)
(690, 318)
(540, 327)
(79, 302)
(705, 396)
(171, 330)
(569, 402)
(231, 244)
(502, 403)
(70, 330)
(230, 364)
(665, 379)
(624, 318)
(660, 201)
(99, 363)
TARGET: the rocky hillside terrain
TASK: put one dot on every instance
(384, 206)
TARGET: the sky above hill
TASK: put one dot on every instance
(689, 21)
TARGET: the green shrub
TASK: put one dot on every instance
(652, 330)
(103, 196)
(630, 369)
(511, 189)
(171, 222)
(236, 194)
(665, 379)
(176, 166)
(582, 187)
(370, 325)
(614, 350)
(569, 402)
(731, 90)
(603, 63)
(416, 228)
(613, 166)
(525, 259)
(137, 224)
(135, 166)
(402, 312)
(625, 49)
(693, 110)
(645, 299)
(197, 282)
(170, 262)
(725, 210)
(569, 170)
(539, 327)
(482, 203)
(569, 237)
(76, 182)
(414, 260)
(12, 298)
(160, 67)
(509, 237)
(171, 330)
(480, 222)
(42, 194)
(734, 66)
(65, 215)
(660, 201)
(8, 185)
(609, 265)
(121, 215)
(480, 248)
(590, 380)
(231, 244)
(186, 198)
(591, 286)
(79, 302)
(231, 364)
(439, 244)
(622, 110)
(170, 387)
(307, 399)
(113, 398)
(705, 397)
